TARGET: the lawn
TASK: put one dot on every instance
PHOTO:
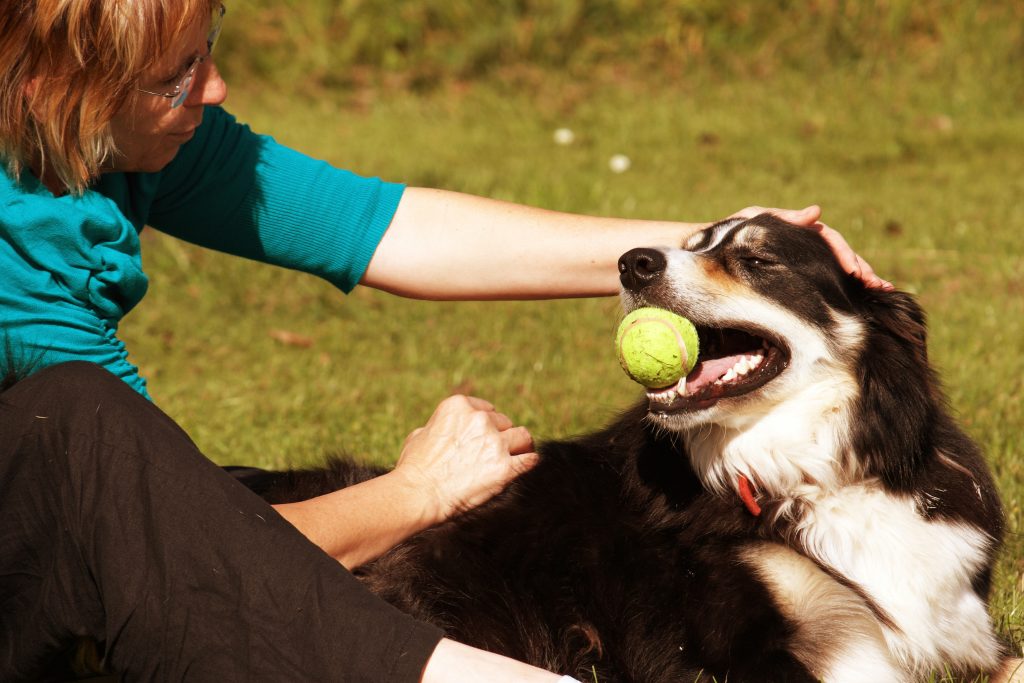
(924, 176)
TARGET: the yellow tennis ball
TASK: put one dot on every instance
(656, 347)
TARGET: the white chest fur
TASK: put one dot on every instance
(918, 571)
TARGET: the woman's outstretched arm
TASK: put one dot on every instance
(448, 245)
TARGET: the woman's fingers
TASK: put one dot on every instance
(849, 260)
(514, 436)
(808, 217)
(500, 421)
(466, 453)
(521, 464)
(459, 402)
(518, 440)
(844, 253)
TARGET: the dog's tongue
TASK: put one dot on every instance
(708, 371)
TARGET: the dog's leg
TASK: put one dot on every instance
(837, 637)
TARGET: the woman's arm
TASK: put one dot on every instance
(466, 453)
(447, 245)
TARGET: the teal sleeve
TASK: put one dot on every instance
(241, 193)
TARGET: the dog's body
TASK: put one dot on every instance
(800, 508)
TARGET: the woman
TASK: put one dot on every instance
(114, 526)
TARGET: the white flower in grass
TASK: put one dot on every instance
(564, 137)
(619, 163)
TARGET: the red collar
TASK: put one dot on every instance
(747, 496)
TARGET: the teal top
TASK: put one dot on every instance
(71, 268)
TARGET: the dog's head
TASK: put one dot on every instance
(784, 336)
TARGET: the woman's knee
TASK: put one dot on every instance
(82, 402)
(83, 376)
(69, 380)
(73, 388)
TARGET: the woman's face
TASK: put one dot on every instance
(147, 131)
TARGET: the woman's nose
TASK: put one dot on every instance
(210, 88)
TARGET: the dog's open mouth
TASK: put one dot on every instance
(732, 362)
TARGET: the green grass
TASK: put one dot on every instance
(426, 42)
(924, 177)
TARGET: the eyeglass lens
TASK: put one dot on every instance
(211, 39)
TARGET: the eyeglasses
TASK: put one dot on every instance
(182, 85)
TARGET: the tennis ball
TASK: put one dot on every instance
(656, 347)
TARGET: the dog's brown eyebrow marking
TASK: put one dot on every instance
(711, 237)
(749, 234)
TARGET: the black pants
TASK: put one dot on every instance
(113, 526)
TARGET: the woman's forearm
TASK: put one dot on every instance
(447, 245)
(359, 523)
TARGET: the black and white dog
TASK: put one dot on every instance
(801, 507)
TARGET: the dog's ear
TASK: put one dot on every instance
(899, 315)
(899, 397)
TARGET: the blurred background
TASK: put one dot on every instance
(430, 43)
(902, 118)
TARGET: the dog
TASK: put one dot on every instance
(800, 507)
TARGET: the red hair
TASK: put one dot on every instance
(67, 67)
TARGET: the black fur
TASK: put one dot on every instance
(17, 364)
(601, 557)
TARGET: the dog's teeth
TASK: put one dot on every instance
(749, 363)
(667, 396)
(729, 376)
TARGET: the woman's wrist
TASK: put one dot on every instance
(424, 504)
(358, 523)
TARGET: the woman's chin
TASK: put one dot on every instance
(150, 163)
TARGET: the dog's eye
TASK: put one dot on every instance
(754, 261)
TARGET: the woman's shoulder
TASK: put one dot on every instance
(28, 209)
(77, 242)
(16, 191)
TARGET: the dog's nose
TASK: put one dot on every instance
(640, 267)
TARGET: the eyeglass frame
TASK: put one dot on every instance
(184, 87)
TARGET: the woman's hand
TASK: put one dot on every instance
(466, 453)
(808, 218)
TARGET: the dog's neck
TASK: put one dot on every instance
(793, 450)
